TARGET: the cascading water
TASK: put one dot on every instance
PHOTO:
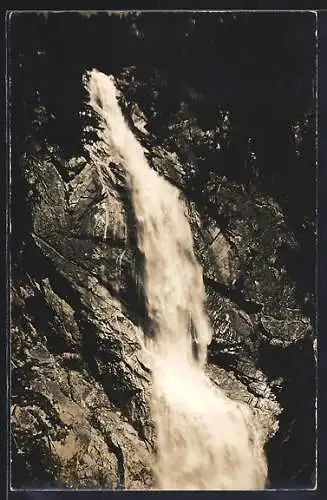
(204, 439)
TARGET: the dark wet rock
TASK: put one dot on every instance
(286, 332)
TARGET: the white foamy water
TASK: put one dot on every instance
(204, 439)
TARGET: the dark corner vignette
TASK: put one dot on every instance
(50, 131)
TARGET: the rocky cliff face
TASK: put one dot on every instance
(80, 383)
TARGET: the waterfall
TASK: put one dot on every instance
(204, 440)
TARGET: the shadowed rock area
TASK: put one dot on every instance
(234, 132)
